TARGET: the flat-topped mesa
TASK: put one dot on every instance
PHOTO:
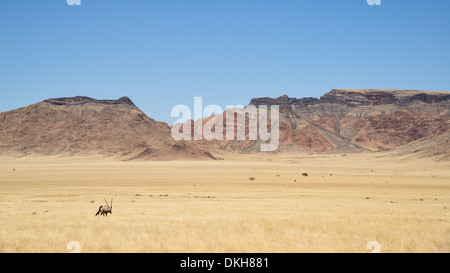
(82, 100)
(359, 120)
(356, 97)
(284, 102)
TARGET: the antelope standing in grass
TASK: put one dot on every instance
(104, 210)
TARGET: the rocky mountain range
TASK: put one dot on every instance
(340, 121)
(351, 121)
(88, 127)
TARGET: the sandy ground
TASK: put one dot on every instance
(344, 203)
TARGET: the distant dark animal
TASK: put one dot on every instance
(104, 210)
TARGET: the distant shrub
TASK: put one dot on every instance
(251, 178)
(304, 174)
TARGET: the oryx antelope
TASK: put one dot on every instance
(104, 210)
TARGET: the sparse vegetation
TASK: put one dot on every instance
(315, 215)
(251, 178)
(304, 174)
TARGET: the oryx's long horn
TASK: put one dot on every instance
(106, 201)
(111, 201)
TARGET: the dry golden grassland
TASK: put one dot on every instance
(212, 206)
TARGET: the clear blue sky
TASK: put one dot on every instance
(164, 52)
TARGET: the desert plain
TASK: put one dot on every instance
(344, 203)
